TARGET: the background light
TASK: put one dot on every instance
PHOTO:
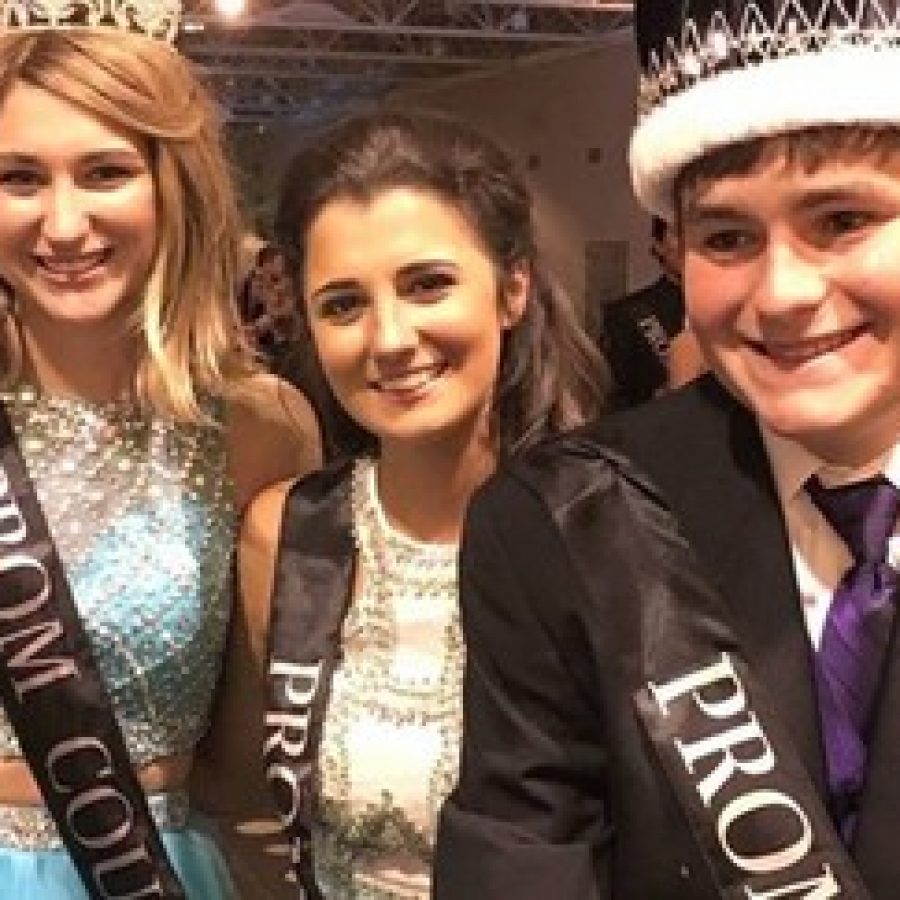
(231, 9)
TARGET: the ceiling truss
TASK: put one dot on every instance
(310, 62)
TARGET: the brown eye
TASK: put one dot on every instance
(341, 307)
(109, 174)
(727, 240)
(845, 221)
(20, 180)
(429, 285)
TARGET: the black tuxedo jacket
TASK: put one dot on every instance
(563, 792)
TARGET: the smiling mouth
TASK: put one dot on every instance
(412, 380)
(79, 266)
(802, 351)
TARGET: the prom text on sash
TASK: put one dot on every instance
(757, 822)
(288, 768)
(78, 767)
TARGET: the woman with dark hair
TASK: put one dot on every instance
(440, 347)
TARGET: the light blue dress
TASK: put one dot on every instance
(143, 517)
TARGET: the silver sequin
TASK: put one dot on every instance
(142, 514)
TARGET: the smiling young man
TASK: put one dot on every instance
(693, 689)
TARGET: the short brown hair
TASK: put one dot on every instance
(807, 149)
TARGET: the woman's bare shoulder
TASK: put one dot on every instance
(273, 435)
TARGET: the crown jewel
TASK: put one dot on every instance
(723, 44)
(153, 18)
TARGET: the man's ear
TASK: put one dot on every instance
(516, 287)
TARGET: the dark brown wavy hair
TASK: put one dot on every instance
(551, 376)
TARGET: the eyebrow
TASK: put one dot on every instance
(114, 153)
(408, 271)
(425, 265)
(14, 157)
(17, 159)
(699, 209)
(854, 190)
(334, 287)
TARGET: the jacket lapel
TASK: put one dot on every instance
(716, 477)
(745, 612)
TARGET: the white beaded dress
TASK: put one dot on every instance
(389, 753)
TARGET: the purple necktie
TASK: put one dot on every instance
(856, 634)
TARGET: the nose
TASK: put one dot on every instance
(65, 214)
(393, 331)
(794, 279)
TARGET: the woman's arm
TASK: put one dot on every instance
(229, 780)
(273, 439)
(272, 435)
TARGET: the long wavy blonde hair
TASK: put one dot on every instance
(189, 337)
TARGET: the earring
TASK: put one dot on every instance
(11, 342)
(8, 304)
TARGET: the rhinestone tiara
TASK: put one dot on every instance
(157, 19)
(723, 45)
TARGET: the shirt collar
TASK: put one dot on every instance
(793, 464)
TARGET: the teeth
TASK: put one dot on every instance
(77, 265)
(408, 382)
(810, 349)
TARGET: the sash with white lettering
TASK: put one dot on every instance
(312, 581)
(60, 710)
(748, 798)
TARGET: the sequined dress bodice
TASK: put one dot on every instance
(142, 515)
(390, 744)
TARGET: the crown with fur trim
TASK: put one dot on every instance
(157, 19)
(719, 72)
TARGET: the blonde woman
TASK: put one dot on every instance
(144, 431)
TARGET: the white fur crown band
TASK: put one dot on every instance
(728, 79)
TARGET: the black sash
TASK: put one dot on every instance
(747, 797)
(59, 708)
(311, 591)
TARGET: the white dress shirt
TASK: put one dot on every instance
(820, 556)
